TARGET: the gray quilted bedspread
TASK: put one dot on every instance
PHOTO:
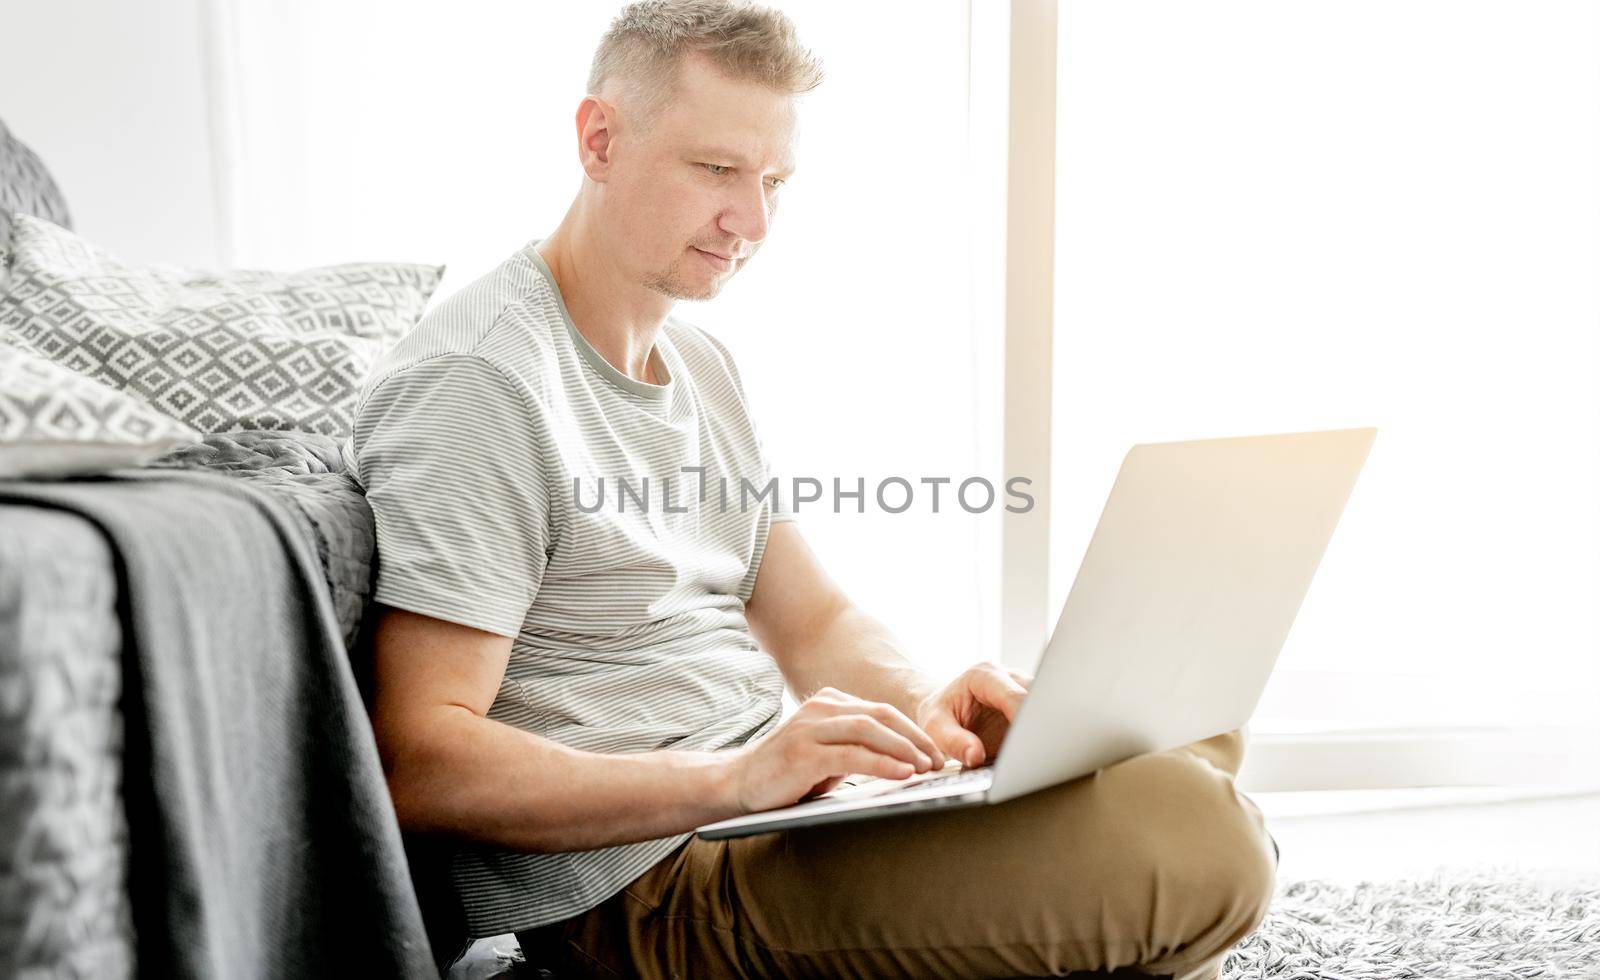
(63, 854)
(63, 838)
(305, 472)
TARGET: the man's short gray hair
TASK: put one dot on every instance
(647, 41)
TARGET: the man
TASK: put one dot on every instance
(568, 681)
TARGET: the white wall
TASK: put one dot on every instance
(112, 96)
(371, 129)
(382, 129)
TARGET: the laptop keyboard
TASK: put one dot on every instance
(955, 778)
(859, 786)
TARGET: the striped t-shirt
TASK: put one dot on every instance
(611, 527)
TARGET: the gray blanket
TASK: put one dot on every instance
(305, 472)
(262, 837)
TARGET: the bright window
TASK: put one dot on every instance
(864, 329)
(1283, 216)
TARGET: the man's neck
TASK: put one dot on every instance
(619, 318)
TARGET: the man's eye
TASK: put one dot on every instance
(778, 182)
(716, 167)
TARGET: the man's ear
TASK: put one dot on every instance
(596, 128)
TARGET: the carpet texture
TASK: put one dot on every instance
(1478, 924)
(1482, 924)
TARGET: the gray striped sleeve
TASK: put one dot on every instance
(448, 452)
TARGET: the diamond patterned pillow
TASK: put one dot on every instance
(54, 422)
(218, 350)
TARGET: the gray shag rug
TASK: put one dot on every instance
(1454, 925)
(1479, 924)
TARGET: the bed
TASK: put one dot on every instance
(78, 898)
(188, 782)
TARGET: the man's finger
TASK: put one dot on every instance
(865, 730)
(844, 759)
(998, 690)
(887, 715)
(896, 720)
(956, 741)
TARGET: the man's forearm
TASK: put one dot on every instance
(857, 654)
(481, 779)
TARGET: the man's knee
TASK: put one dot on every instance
(1225, 751)
(1236, 868)
(1197, 862)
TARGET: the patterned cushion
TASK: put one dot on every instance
(221, 351)
(26, 186)
(54, 422)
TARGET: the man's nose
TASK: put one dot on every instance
(750, 213)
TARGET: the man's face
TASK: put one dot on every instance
(703, 183)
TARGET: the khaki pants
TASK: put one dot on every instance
(1156, 865)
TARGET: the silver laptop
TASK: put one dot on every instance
(1188, 588)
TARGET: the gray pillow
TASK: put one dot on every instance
(217, 350)
(54, 422)
(26, 186)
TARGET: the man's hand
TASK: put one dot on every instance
(969, 717)
(831, 736)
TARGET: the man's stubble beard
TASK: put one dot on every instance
(670, 283)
